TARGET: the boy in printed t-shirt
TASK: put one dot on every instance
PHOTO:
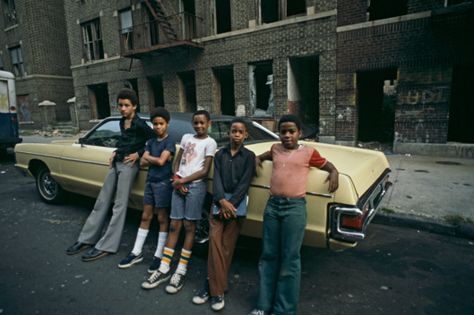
(157, 196)
(191, 167)
(284, 219)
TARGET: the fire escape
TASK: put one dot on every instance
(164, 32)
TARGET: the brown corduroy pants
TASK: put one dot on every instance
(223, 235)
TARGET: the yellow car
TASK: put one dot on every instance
(335, 221)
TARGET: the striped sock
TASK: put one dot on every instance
(166, 260)
(183, 261)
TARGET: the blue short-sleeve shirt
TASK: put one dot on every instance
(155, 147)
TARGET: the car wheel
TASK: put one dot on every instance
(49, 190)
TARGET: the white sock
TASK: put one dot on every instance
(162, 236)
(139, 241)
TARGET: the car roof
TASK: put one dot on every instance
(183, 116)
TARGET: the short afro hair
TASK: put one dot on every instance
(160, 112)
(128, 94)
(290, 118)
(202, 112)
(240, 121)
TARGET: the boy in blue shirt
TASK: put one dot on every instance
(157, 196)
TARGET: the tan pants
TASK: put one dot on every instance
(223, 235)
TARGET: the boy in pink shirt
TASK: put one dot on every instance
(284, 219)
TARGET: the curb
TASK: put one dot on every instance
(425, 224)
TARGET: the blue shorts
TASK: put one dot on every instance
(158, 194)
(189, 206)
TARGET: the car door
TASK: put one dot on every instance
(86, 163)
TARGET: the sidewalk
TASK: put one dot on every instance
(433, 193)
(430, 193)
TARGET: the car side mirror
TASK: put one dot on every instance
(81, 141)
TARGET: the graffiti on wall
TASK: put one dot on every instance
(432, 95)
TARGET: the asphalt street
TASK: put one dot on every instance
(394, 271)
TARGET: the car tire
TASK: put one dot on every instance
(49, 190)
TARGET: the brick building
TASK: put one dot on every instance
(395, 72)
(253, 57)
(404, 73)
(34, 47)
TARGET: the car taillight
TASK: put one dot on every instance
(352, 222)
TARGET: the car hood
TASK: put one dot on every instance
(362, 166)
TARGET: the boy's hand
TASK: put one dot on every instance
(111, 159)
(131, 158)
(227, 209)
(178, 184)
(333, 179)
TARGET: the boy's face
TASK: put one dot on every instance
(160, 126)
(289, 135)
(126, 108)
(238, 133)
(201, 124)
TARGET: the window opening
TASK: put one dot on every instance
(16, 56)
(261, 89)
(382, 9)
(92, 40)
(270, 10)
(223, 16)
(126, 29)
(295, 7)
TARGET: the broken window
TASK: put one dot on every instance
(187, 91)
(295, 7)
(9, 12)
(126, 29)
(224, 96)
(16, 56)
(92, 40)
(99, 99)
(382, 9)
(261, 89)
(223, 17)
(454, 2)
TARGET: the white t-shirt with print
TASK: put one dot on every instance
(195, 151)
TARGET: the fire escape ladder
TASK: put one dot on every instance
(159, 14)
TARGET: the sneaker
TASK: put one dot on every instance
(155, 279)
(256, 311)
(201, 297)
(155, 264)
(130, 260)
(176, 283)
(217, 302)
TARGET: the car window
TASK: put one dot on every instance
(106, 135)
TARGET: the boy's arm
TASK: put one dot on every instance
(333, 177)
(243, 186)
(177, 160)
(144, 161)
(217, 186)
(265, 156)
(160, 160)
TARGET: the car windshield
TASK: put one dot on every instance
(107, 133)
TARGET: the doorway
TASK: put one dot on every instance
(224, 92)
(376, 109)
(187, 91)
(303, 92)
(461, 107)
(99, 99)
